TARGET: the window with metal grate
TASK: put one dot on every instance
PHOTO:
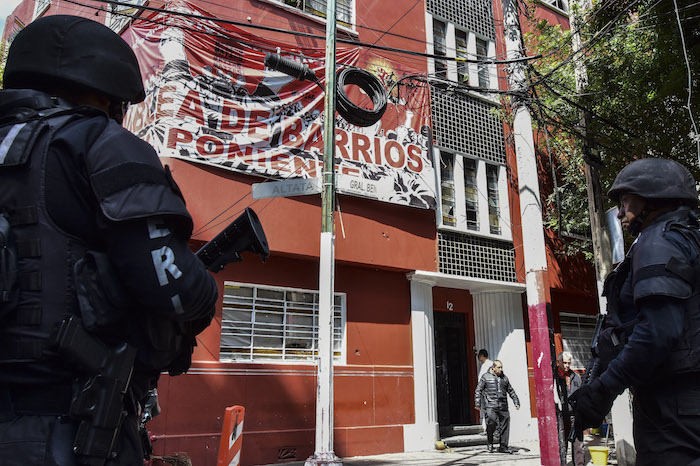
(577, 334)
(272, 324)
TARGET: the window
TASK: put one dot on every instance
(471, 194)
(481, 205)
(16, 27)
(492, 189)
(447, 185)
(577, 334)
(40, 6)
(440, 47)
(462, 66)
(563, 5)
(118, 16)
(271, 324)
(482, 48)
(343, 13)
(461, 48)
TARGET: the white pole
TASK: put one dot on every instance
(534, 252)
(323, 454)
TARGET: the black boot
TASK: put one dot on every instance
(503, 449)
(490, 448)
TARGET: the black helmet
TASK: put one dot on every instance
(655, 179)
(70, 50)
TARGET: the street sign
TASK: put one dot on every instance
(287, 188)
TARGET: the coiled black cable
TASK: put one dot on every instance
(374, 89)
(352, 113)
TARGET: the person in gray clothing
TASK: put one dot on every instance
(493, 387)
(567, 382)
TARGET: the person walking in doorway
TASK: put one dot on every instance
(486, 363)
(493, 387)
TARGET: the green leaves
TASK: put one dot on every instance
(3, 59)
(636, 96)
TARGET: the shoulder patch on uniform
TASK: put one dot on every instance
(125, 175)
(173, 184)
(681, 269)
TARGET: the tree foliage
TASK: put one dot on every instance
(3, 59)
(637, 95)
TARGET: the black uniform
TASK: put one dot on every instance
(96, 224)
(494, 389)
(654, 305)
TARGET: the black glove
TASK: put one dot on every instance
(591, 403)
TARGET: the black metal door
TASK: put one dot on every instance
(453, 397)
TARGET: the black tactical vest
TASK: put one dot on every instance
(41, 292)
(651, 269)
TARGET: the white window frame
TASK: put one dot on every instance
(451, 42)
(321, 16)
(561, 6)
(577, 338)
(482, 198)
(40, 6)
(17, 26)
(119, 22)
(228, 327)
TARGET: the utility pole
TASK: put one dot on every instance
(323, 453)
(601, 239)
(602, 248)
(536, 277)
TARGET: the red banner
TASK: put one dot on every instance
(211, 100)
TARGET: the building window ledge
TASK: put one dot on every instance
(316, 19)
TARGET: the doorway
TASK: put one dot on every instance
(454, 398)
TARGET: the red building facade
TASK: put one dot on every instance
(425, 275)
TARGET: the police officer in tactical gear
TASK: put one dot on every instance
(92, 230)
(651, 342)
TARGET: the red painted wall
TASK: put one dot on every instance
(376, 243)
(23, 12)
(373, 391)
(377, 234)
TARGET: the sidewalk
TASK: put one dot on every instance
(528, 454)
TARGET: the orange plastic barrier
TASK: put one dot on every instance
(231, 437)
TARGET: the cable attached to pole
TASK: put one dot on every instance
(352, 113)
(374, 89)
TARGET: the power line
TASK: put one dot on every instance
(392, 26)
(596, 37)
(310, 35)
(690, 81)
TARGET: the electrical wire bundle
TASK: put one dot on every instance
(353, 114)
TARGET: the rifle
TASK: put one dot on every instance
(99, 402)
(593, 369)
(245, 233)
